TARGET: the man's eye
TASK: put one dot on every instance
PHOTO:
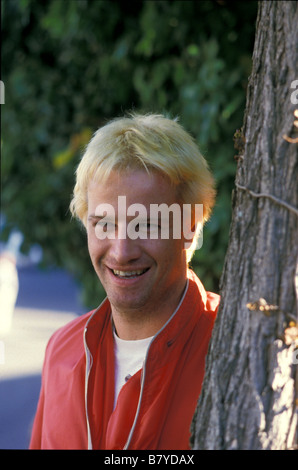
(147, 227)
(105, 226)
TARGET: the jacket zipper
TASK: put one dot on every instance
(89, 361)
(139, 404)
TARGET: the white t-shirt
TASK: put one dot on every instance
(129, 357)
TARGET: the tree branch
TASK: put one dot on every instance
(269, 196)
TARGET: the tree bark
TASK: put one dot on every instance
(249, 394)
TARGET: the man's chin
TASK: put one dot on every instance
(129, 305)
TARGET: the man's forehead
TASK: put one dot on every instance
(135, 182)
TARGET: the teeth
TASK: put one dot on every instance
(128, 273)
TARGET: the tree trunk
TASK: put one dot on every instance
(249, 394)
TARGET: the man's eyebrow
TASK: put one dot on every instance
(94, 216)
(105, 216)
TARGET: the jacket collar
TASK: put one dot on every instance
(191, 305)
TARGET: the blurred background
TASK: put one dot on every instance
(68, 66)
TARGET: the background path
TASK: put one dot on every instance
(46, 301)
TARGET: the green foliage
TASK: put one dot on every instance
(69, 66)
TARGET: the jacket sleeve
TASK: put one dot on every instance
(35, 442)
(37, 428)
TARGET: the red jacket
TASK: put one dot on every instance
(154, 408)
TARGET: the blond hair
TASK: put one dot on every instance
(153, 142)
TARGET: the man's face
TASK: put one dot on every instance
(139, 274)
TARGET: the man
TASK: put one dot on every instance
(128, 374)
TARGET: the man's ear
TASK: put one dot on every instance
(192, 226)
(193, 239)
(188, 235)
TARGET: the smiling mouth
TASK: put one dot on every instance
(129, 274)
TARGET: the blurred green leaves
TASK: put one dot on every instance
(77, 143)
(70, 65)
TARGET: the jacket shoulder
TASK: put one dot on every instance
(209, 300)
(212, 303)
(69, 338)
(74, 326)
(208, 315)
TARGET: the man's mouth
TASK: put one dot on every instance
(129, 274)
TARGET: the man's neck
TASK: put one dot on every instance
(139, 324)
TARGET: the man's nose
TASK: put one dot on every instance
(124, 250)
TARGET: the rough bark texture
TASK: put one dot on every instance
(249, 395)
